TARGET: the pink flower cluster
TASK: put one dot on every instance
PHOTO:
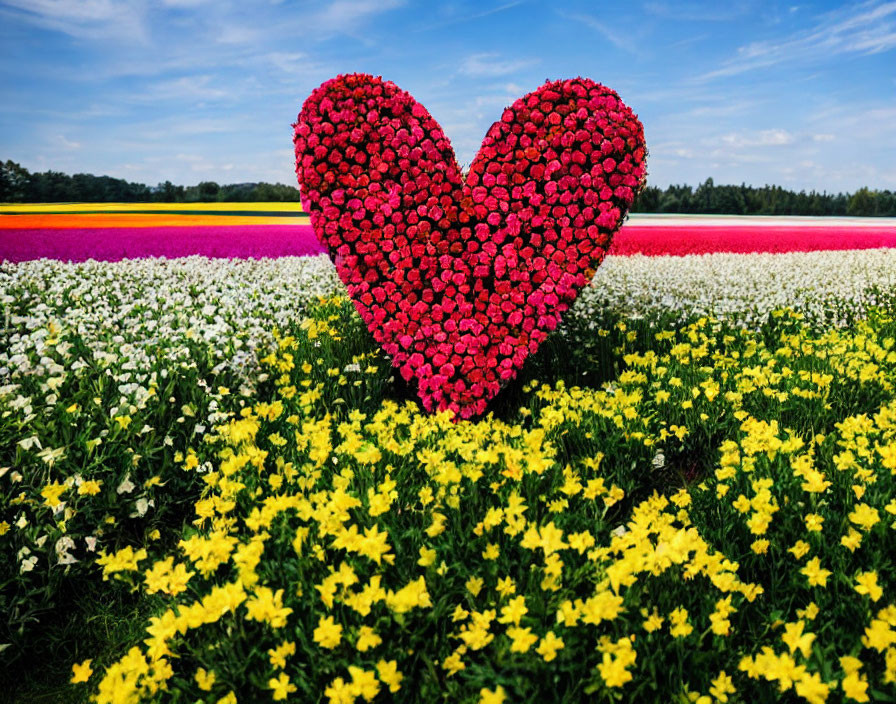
(461, 278)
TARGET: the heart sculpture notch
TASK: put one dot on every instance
(461, 278)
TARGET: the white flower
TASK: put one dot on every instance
(50, 456)
(28, 443)
(126, 486)
(62, 547)
(142, 507)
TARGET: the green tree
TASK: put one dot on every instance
(861, 202)
(208, 191)
(14, 182)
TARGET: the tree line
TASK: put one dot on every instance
(765, 200)
(18, 185)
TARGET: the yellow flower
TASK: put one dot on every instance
(505, 587)
(267, 605)
(474, 585)
(205, 680)
(760, 547)
(549, 646)
(162, 577)
(338, 692)
(814, 522)
(453, 664)
(681, 498)
(741, 503)
(427, 556)
(879, 635)
(491, 552)
(81, 672)
(364, 683)
(52, 493)
(721, 687)
(615, 496)
(281, 686)
(795, 639)
(389, 674)
(367, 639)
(278, 655)
(412, 595)
(125, 560)
(459, 614)
(653, 622)
(815, 574)
(854, 685)
(864, 516)
(487, 696)
(568, 614)
(812, 689)
(809, 613)
(522, 639)
(866, 583)
(851, 540)
(679, 626)
(328, 633)
(718, 619)
(603, 606)
(799, 549)
(514, 611)
(616, 659)
(89, 487)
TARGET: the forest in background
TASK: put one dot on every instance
(18, 185)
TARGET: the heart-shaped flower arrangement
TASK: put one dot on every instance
(460, 278)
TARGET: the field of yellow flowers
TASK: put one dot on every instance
(214, 490)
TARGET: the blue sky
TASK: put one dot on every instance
(801, 94)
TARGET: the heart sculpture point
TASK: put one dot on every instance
(461, 278)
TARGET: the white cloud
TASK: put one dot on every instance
(185, 4)
(618, 39)
(488, 65)
(203, 87)
(465, 17)
(763, 138)
(700, 11)
(86, 19)
(869, 28)
(239, 34)
(342, 14)
(62, 141)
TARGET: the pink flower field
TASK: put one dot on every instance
(653, 238)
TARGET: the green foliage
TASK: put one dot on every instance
(710, 198)
(607, 488)
(18, 185)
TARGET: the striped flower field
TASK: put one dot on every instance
(213, 489)
(110, 232)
